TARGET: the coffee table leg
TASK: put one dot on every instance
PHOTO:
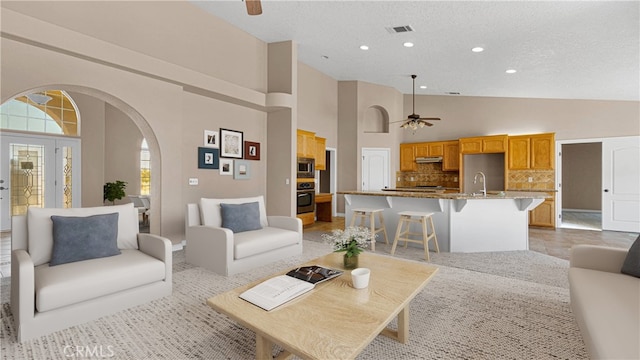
(402, 334)
(403, 325)
(264, 348)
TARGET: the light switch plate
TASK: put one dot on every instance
(193, 181)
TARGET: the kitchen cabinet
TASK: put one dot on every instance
(407, 157)
(534, 152)
(544, 215)
(543, 151)
(519, 152)
(306, 144)
(436, 148)
(324, 207)
(320, 153)
(421, 149)
(484, 144)
(451, 156)
(307, 218)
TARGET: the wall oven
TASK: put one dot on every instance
(306, 167)
(306, 197)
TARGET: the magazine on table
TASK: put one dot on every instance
(277, 290)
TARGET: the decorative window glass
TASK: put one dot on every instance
(50, 112)
(145, 168)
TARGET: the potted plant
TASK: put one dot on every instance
(352, 241)
(113, 191)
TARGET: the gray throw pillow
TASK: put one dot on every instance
(631, 265)
(240, 217)
(83, 238)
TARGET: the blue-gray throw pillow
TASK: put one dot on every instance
(240, 217)
(631, 265)
(83, 238)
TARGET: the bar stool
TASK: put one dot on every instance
(363, 214)
(408, 217)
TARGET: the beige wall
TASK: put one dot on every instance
(122, 140)
(582, 176)
(464, 116)
(318, 104)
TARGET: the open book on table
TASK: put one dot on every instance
(276, 291)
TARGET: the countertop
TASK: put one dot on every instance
(453, 196)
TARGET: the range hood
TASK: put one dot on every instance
(429, 159)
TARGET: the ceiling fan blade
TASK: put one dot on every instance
(253, 7)
(427, 123)
(433, 118)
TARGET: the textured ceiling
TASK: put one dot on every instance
(560, 49)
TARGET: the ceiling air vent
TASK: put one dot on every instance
(399, 29)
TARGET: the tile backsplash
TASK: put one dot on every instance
(541, 180)
(427, 175)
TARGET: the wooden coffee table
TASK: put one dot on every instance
(334, 320)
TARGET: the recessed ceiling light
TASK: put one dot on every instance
(477, 49)
(408, 44)
(423, 86)
(511, 71)
(364, 47)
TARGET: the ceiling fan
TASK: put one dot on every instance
(414, 120)
(253, 7)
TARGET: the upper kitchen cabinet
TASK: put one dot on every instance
(320, 155)
(543, 151)
(451, 156)
(407, 157)
(532, 152)
(306, 144)
(484, 144)
(436, 148)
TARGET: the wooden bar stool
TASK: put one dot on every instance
(365, 214)
(408, 217)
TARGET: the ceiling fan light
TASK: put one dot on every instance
(421, 124)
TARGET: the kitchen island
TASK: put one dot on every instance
(464, 222)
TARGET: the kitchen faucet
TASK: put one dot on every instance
(484, 182)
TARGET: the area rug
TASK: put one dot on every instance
(462, 313)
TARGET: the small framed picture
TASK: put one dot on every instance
(241, 170)
(211, 139)
(208, 158)
(231, 143)
(226, 167)
(251, 150)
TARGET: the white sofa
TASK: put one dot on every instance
(219, 249)
(48, 298)
(605, 302)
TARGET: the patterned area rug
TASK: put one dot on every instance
(474, 308)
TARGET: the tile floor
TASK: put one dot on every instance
(554, 242)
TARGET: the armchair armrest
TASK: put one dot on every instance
(210, 247)
(595, 257)
(160, 248)
(22, 286)
(286, 223)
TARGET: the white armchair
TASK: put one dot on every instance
(219, 249)
(47, 297)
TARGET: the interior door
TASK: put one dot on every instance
(621, 184)
(38, 171)
(375, 169)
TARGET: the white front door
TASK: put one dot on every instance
(621, 184)
(375, 169)
(40, 171)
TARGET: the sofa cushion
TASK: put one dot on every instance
(210, 210)
(631, 265)
(75, 282)
(256, 242)
(606, 306)
(240, 217)
(78, 238)
(40, 227)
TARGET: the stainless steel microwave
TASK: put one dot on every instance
(306, 167)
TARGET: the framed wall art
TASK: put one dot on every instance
(226, 167)
(241, 170)
(211, 139)
(208, 158)
(231, 143)
(251, 150)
